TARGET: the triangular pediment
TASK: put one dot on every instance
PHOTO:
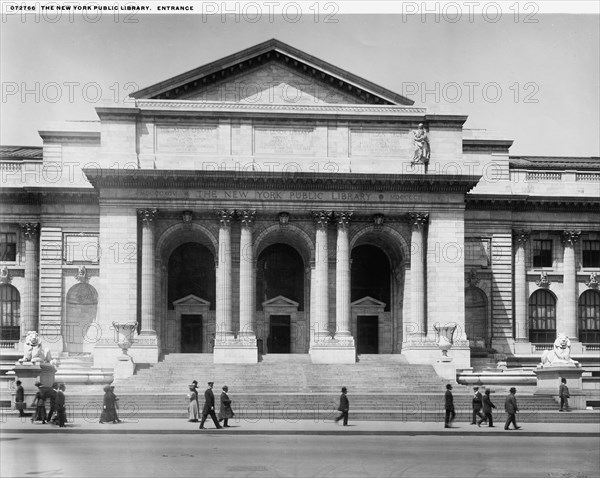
(280, 301)
(368, 302)
(191, 300)
(272, 73)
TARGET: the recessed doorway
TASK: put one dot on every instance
(191, 333)
(367, 334)
(279, 340)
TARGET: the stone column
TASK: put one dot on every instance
(223, 306)
(247, 292)
(342, 277)
(417, 330)
(29, 316)
(521, 293)
(147, 217)
(567, 321)
(320, 283)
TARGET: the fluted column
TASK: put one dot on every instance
(320, 283)
(247, 292)
(29, 315)
(567, 321)
(342, 276)
(521, 293)
(418, 223)
(147, 217)
(223, 307)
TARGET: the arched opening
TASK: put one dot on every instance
(589, 317)
(280, 274)
(476, 317)
(10, 312)
(191, 293)
(542, 317)
(82, 306)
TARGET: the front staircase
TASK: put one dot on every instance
(290, 387)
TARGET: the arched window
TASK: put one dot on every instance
(10, 312)
(542, 317)
(589, 317)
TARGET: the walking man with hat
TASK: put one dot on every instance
(510, 406)
(209, 407)
(477, 405)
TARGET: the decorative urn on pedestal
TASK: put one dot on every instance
(444, 338)
(124, 333)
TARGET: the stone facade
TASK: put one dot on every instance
(306, 156)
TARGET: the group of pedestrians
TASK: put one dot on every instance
(225, 410)
(56, 397)
(482, 408)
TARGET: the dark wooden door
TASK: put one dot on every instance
(367, 334)
(279, 341)
(191, 333)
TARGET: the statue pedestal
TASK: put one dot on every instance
(548, 383)
(29, 373)
(445, 368)
(124, 367)
(241, 350)
(332, 351)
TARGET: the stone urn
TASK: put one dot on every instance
(124, 336)
(444, 338)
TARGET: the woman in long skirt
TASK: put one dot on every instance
(193, 407)
(40, 405)
(109, 406)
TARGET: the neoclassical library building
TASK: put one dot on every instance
(271, 202)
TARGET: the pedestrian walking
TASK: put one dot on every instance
(477, 405)
(511, 408)
(40, 405)
(20, 399)
(52, 395)
(563, 393)
(209, 407)
(449, 406)
(487, 406)
(225, 411)
(193, 406)
(109, 406)
(61, 412)
(343, 407)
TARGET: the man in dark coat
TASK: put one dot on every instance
(477, 404)
(20, 399)
(344, 407)
(225, 412)
(510, 406)
(60, 405)
(487, 409)
(52, 395)
(563, 393)
(209, 407)
(449, 406)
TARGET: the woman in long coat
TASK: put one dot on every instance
(109, 406)
(225, 412)
(40, 402)
(193, 407)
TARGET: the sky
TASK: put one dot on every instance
(528, 76)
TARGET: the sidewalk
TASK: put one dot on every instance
(15, 425)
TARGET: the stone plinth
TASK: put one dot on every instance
(124, 367)
(333, 352)
(548, 383)
(236, 351)
(29, 373)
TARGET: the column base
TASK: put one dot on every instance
(124, 367)
(240, 350)
(333, 351)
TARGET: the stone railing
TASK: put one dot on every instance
(587, 177)
(591, 347)
(10, 166)
(9, 344)
(543, 176)
(541, 347)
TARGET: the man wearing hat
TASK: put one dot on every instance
(510, 406)
(209, 407)
(477, 404)
(344, 407)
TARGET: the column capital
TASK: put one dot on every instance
(521, 236)
(247, 217)
(30, 230)
(418, 220)
(570, 237)
(225, 216)
(321, 218)
(343, 218)
(147, 216)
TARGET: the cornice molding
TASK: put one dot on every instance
(27, 196)
(517, 203)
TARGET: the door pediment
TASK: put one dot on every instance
(191, 300)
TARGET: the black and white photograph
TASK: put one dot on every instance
(299, 239)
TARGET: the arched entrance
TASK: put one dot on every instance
(476, 317)
(82, 306)
(191, 292)
(280, 285)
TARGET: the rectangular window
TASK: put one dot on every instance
(591, 254)
(542, 253)
(8, 246)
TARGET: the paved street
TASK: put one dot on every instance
(141, 449)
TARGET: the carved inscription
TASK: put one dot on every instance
(378, 143)
(187, 139)
(286, 141)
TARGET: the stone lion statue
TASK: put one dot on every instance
(34, 351)
(560, 353)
